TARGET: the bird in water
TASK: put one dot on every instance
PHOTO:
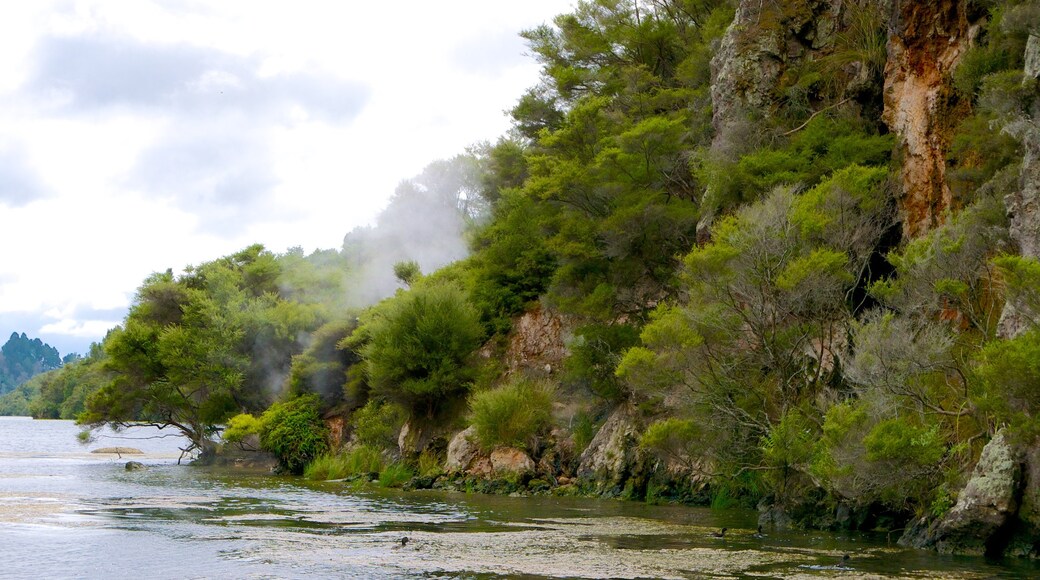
(844, 563)
(758, 535)
(402, 543)
(719, 534)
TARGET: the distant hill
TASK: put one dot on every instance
(22, 358)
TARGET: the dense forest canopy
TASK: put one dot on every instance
(728, 244)
(22, 358)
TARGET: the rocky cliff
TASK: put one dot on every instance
(926, 43)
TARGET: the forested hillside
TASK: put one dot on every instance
(776, 254)
(22, 358)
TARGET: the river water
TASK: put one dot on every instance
(69, 513)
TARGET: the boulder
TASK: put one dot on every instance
(119, 450)
(613, 455)
(462, 450)
(510, 461)
(977, 524)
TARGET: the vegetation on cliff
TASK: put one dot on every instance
(740, 298)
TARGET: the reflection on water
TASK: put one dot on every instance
(67, 513)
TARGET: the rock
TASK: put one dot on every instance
(537, 343)
(481, 467)
(926, 42)
(1023, 207)
(986, 506)
(119, 450)
(1032, 57)
(134, 466)
(613, 457)
(510, 461)
(462, 450)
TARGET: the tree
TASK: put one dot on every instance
(418, 347)
(197, 349)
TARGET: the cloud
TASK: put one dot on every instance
(18, 183)
(491, 53)
(85, 73)
(214, 158)
(223, 176)
(78, 328)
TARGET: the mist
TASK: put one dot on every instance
(425, 221)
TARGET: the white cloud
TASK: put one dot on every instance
(139, 135)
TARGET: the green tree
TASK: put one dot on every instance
(419, 344)
(197, 349)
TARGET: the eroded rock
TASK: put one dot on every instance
(613, 455)
(926, 42)
(987, 505)
(507, 461)
(462, 450)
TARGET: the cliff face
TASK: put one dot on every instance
(926, 42)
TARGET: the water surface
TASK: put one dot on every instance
(65, 512)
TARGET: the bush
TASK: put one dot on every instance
(377, 424)
(420, 343)
(595, 353)
(511, 415)
(241, 426)
(294, 432)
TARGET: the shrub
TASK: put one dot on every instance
(325, 467)
(419, 345)
(377, 424)
(511, 415)
(241, 426)
(294, 432)
(595, 353)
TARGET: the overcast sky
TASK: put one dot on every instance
(140, 135)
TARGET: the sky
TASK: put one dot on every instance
(142, 135)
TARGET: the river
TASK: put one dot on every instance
(69, 513)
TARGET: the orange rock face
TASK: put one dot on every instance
(926, 42)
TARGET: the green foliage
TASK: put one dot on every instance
(294, 431)
(197, 349)
(583, 430)
(361, 460)
(1010, 374)
(420, 343)
(377, 424)
(787, 454)
(395, 475)
(950, 269)
(513, 264)
(594, 356)
(429, 463)
(241, 426)
(407, 272)
(673, 439)
(825, 145)
(895, 439)
(22, 358)
(512, 415)
(322, 368)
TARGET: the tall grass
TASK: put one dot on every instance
(395, 474)
(512, 415)
(357, 461)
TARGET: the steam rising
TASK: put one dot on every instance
(425, 221)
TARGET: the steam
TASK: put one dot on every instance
(425, 221)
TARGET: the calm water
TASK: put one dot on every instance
(67, 513)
